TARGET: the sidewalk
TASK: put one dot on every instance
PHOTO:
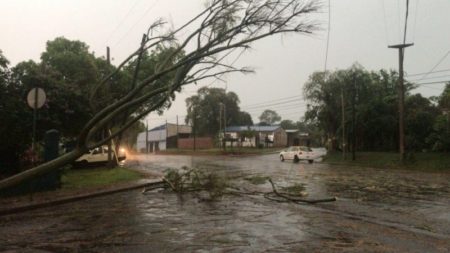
(13, 205)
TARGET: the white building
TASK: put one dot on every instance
(162, 137)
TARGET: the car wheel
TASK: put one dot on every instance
(310, 161)
(296, 159)
(282, 158)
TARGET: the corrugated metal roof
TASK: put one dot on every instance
(161, 127)
(253, 128)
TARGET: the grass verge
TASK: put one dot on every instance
(414, 161)
(84, 178)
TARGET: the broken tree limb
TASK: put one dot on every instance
(282, 197)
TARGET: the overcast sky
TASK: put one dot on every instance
(360, 32)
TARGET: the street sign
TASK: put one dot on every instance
(36, 98)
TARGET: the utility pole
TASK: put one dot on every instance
(354, 120)
(220, 123)
(177, 132)
(167, 136)
(401, 98)
(224, 127)
(146, 137)
(110, 163)
(343, 123)
(195, 130)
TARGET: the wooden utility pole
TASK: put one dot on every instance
(220, 124)
(401, 98)
(343, 123)
(177, 132)
(224, 127)
(195, 130)
(146, 137)
(354, 120)
(110, 161)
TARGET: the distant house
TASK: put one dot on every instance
(255, 136)
(297, 138)
(162, 137)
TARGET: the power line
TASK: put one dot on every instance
(430, 72)
(273, 100)
(122, 21)
(272, 104)
(428, 87)
(428, 78)
(279, 107)
(137, 22)
(437, 82)
(435, 66)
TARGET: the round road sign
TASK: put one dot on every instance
(36, 98)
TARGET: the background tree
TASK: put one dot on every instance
(208, 107)
(269, 116)
(439, 139)
(375, 125)
(15, 122)
(288, 124)
(221, 28)
(373, 98)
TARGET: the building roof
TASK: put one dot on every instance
(161, 127)
(253, 128)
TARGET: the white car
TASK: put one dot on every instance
(298, 153)
(99, 155)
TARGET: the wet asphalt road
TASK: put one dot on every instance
(377, 211)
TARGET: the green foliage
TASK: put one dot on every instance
(288, 124)
(372, 97)
(269, 116)
(94, 177)
(196, 180)
(204, 110)
(16, 121)
(148, 65)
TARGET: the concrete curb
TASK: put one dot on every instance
(63, 200)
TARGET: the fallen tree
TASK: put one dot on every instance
(189, 180)
(223, 27)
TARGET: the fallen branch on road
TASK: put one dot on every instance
(286, 197)
(194, 180)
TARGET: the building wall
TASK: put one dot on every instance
(158, 135)
(280, 138)
(200, 143)
(182, 129)
(140, 143)
(163, 138)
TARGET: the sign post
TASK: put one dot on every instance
(36, 98)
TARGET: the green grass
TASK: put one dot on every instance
(75, 179)
(415, 161)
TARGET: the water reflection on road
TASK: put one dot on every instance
(377, 210)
